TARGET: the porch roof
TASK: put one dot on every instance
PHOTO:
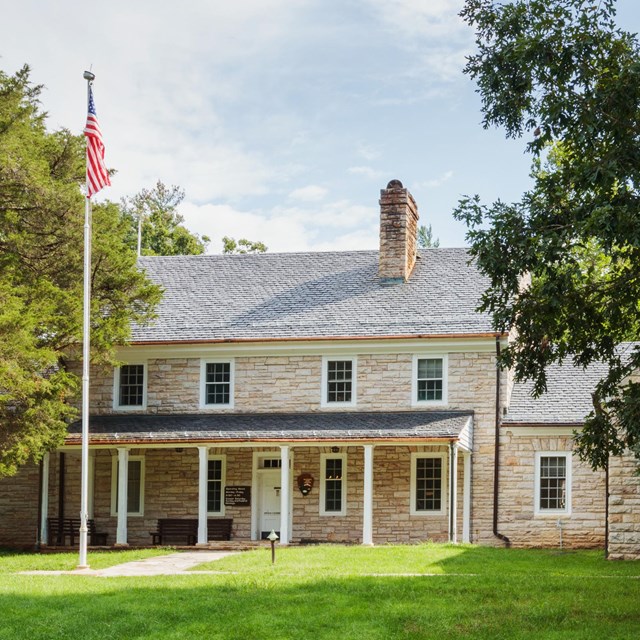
(275, 427)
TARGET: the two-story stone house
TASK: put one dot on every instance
(339, 396)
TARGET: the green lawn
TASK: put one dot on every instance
(333, 592)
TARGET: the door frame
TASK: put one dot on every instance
(256, 486)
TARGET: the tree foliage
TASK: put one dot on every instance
(564, 261)
(231, 245)
(425, 237)
(163, 233)
(41, 265)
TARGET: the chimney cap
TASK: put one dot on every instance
(395, 184)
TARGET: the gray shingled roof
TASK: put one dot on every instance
(309, 295)
(567, 401)
(274, 426)
(568, 396)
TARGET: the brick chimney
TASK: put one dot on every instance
(398, 233)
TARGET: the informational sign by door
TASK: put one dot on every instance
(237, 496)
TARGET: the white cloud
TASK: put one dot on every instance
(331, 226)
(367, 172)
(420, 18)
(436, 182)
(310, 193)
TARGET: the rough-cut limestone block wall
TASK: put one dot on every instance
(307, 523)
(19, 508)
(472, 385)
(624, 508)
(392, 521)
(170, 489)
(292, 383)
(278, 383)
(583, 527)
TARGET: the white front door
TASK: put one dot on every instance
(269, 503)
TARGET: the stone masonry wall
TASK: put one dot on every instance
(19, 508)
(293, 384)
(624, 508)
(583, 527)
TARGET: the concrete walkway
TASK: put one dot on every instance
(169, 565)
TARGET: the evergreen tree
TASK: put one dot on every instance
(41, 266)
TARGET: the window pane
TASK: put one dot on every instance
(133, 493)
(430, 379)
(131, 385)
(134, 487)
(428, 484)
(553, 482)
(218, 383)
(214, 486)
(339, 380)
(333, 484)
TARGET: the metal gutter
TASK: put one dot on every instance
(420, 336)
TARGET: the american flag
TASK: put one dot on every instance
(97, 174)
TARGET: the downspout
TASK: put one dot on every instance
(60, 539)
(39, 539)
(606, 509)
(452, 497)
(496, 456)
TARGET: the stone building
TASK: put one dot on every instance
(340, 396)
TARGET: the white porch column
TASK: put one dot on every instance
(453, 493)
(123, 486)
(466, 498)
(44, 534)
(284, 495)
(203, 478)
(367, 511)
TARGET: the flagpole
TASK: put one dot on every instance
(86, 356)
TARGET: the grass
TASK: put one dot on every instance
(332, 592)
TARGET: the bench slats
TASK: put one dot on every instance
(58, 530)
(187, 528)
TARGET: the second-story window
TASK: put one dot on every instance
(217, 384)
(429, 380)
(130, 387)
(339, 381)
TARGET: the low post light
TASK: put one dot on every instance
(272, 537)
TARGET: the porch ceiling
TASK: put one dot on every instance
(274, 427)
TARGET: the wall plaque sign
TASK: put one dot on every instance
(237, 496)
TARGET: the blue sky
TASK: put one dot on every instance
(281, 119)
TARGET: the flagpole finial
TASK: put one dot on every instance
(87, 75)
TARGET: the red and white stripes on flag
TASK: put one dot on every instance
(97, 174)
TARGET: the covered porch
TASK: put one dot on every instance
(367, 478)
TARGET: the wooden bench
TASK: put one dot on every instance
(219, 528)
(58, 530)
(170, 529)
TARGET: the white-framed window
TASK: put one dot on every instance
(333, 484)
(135, 490)
(428, 483)
(553, 483)
(130, 387)
(429, 379)
(216, 476)
(339, 375)
(217, 384)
